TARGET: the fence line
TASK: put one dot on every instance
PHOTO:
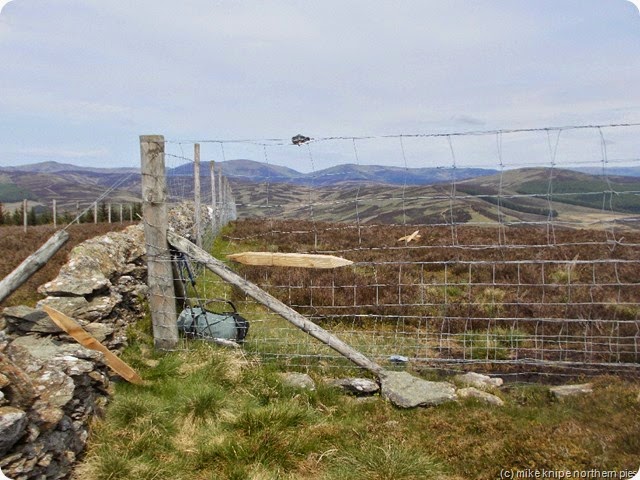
(533, 263)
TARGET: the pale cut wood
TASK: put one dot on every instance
(414, 236)
(85, 339)
(32, 264)
(255, 292)
(300, 260)
(159, 273)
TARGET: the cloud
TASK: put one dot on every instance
(205, 69)
(61, 152)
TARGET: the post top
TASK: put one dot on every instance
(152, 138)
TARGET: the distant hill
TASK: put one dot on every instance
(345, 173)
(619, 171)
(68, 184)
(56, 167)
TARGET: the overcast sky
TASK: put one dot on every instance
(80, 80)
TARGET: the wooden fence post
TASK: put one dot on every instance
(196, 192)
(55, 214)
(95, 212)
(131, 212)
(109, 212)
(24, 214)
(159, 272)
(214, 204)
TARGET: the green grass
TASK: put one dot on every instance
(210, 413)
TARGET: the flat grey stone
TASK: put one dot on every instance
(357, 386)
(564, 391)
(27, 319)
(477, 380)
(480, 395)
(406, 391)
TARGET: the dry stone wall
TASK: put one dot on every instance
(50, 386)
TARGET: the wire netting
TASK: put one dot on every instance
(526, 255)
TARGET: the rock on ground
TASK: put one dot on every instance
(298, 380)
(406, 391)
(477, 380)
(480, 395)
(357, 386)
(564, 391)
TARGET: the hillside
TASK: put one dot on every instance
(348, 193)
(575, 199)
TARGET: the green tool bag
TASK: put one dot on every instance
(198, 322)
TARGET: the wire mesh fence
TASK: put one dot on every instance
(526, 252)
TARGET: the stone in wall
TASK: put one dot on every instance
(54, 388)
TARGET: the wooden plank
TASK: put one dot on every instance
(159, 273)
(85, 339)
(300, 260)
(32, 264)
(224, 272)
(414, 236)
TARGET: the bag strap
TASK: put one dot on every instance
(222, 300)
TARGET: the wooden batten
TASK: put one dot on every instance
(85, 339)
(299, 260)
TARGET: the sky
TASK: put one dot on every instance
(80, 80)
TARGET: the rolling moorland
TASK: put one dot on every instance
(368, 194)
(209, 413)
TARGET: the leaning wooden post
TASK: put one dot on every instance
(273, 303)
(32, 264)
(55, 214)
(24, 215)
(196, 192)
(159, 273)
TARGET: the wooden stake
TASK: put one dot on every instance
(273, 303)
(24, 214)
(55, 214)
(214, 204)
(32, 264)
(95, 212)
(302, 260)
(83, 337)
